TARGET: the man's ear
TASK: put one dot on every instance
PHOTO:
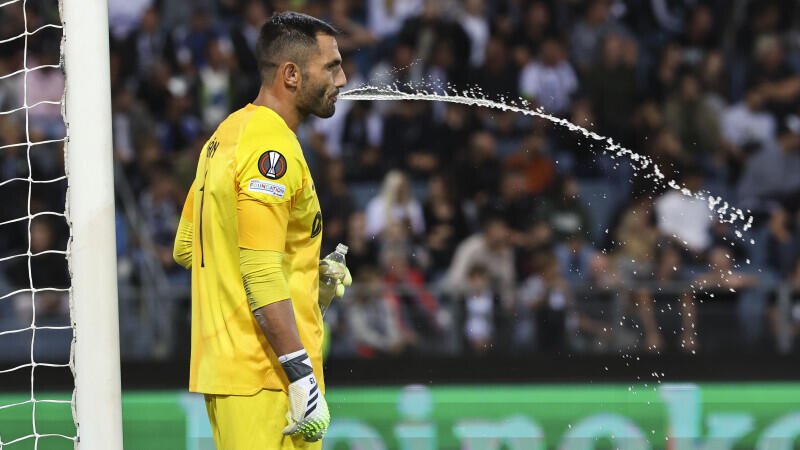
(291, 75)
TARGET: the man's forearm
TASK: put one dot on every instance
(279, 327)
(265, 284)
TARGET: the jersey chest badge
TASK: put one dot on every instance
(272, 164)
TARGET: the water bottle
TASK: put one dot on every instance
(329, 275)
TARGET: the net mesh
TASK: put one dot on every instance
(36, 329)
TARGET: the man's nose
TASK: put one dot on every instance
(341, 79)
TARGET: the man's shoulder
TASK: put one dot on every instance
(258, 133)
(265, 127)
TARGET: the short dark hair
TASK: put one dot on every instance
(288, 36)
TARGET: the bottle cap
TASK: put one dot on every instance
(341, 248)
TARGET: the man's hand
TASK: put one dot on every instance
(337, 271)
(308, 411)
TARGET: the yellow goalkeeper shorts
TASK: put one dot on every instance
(253, 422)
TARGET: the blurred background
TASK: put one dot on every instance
(486, 246)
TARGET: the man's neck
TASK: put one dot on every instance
(282, 107)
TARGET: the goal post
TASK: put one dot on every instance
(90, 212)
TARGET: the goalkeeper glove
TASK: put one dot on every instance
(308, 411)
(346, 281)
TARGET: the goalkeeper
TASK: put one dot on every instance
(251, 231)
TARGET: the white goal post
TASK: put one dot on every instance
(90, 212)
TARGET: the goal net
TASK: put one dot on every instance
(58, 302)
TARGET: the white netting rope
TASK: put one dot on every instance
(31, 290)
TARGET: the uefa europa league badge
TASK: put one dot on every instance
(272, 164)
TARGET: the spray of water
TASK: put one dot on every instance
(641, 164)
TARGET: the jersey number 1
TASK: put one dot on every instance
(202, 203)
(211, 149)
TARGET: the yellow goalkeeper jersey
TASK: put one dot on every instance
(252, 190)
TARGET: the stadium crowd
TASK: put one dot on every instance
(470, 229)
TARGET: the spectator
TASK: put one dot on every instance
(545, 309)
(154, 89)
(612, 86)
(776, 78)
(433, 28)
(374, 323)
(667, 150)
(691, 119)
(699, 36)
(360, 145)
(408, 139)
(518, 207)
(193, 40)
(216, 87)
(783, 241)
(498, 76)
(482, 169)
(147, 45)
(394, 204)
(590, 31)
(683, 217)
(770, 63)
(125, 15)
(160, 205)
(243, 40)
(407, 293)
(549, 80)
(130, 121)
(453, 134)
(445, 223)
(609, 318)
(747, 125)
(480, 305)
(635, 238)
(535, 27)
(772, 175)
(726, 284)
(563, 211)
(665, 75)
(396, 69)
(716, 81)
(475, 23)
(386, 17)
(536, 166)
(490, 248)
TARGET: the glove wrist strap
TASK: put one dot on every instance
(297, 365)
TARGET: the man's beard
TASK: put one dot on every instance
(314, 100)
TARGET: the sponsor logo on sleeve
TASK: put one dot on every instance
(272, 164)
(267, 187)
(316, 226)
